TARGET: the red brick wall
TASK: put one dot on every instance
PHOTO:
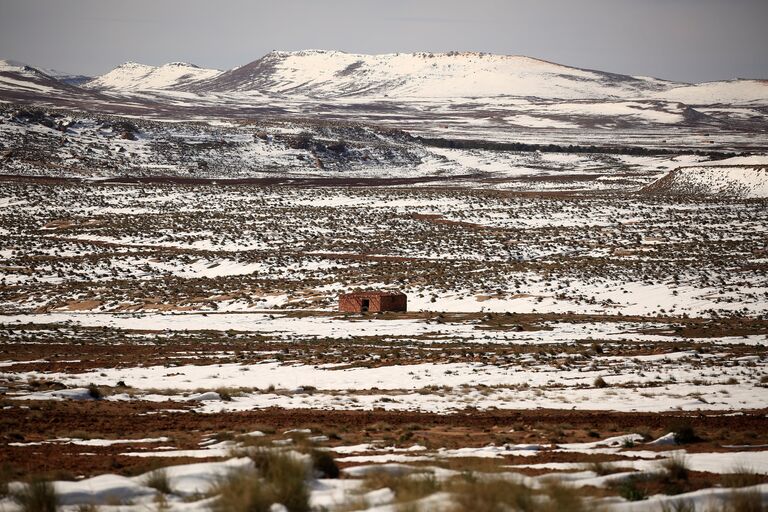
(394, 303)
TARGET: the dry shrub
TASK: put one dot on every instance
(744, 501)
(276, 478)
(741, 477)
(407, 487)
(159, 481)
(496, 495)
(676, 467)
(37, 496)
(323, 464)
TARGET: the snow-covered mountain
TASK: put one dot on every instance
(437, 75)
(333, 74)
(133, 76)
(67, 78)
(19, 77)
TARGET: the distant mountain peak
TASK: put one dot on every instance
(332, 73)
(181, 65)
(133, 76)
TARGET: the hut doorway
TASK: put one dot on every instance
(365, 305)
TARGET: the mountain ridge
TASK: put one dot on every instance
(330, 74)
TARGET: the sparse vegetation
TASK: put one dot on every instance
(676, 467)
(407, 487)
(277, 478)
(744, 501)
(684, 434)
(94, 392)
(742, 477)
(36, 496)
(158, 480)
(324, 464)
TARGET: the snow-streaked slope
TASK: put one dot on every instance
(67, 78)
(331, 73)
(133, 76)
(738, 181)
(17, 76)
(727, 92)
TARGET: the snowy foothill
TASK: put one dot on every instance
(743, 181)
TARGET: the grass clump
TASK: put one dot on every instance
(562, 498)
(601, 468)
(741, 477)
(631, 489)
(600, 383)
(94, 391)
(407, 487)
(679, 506)
(684, 434)
(276, 478)
(676, 467)
(323, 464)
(159, 481)
(473, 495)
(36, 496)
(243, 491)
(744, 501)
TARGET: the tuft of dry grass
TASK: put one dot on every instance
(744, 501)
(36, 496)
(679, 506)
(496, 495)
(741, 476)
(676, 467)
(324, 464)
(276, 478)
(407, 487)
(158, 480)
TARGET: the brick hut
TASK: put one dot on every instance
(373, 301)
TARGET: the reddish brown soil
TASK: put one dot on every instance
(49, 420)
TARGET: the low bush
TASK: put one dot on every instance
(684, 434)
(94, 392)
(676, 467)
(159, 481)
(494, 495)
(741, 477)
(276, 478)
(37, 496)
(744, 501)
(630, 489)
(679, 506)
(407, 487)
(324, 465)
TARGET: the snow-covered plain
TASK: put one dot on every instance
(193, 487)
(298, 248)
(253, 273)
